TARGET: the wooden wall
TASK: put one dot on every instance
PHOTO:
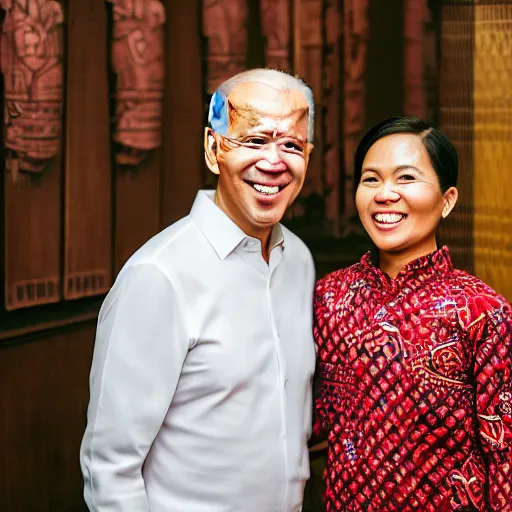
(45, 351)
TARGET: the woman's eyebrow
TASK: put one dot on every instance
(408, 167)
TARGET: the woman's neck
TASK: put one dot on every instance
(393, 262)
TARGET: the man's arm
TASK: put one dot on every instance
(141, 344)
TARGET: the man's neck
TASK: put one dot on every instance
(263, 235)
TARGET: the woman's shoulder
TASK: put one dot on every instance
(336, 282)
(476, 296)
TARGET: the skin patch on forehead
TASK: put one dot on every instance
(255, 105)
(244, 118)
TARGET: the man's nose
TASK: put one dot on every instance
(271, 160)
(387, 193)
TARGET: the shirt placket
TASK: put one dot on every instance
(275, 258)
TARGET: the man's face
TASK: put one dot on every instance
(262, 160)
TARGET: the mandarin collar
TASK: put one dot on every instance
(415, 272)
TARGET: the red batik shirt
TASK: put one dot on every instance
(414, 389)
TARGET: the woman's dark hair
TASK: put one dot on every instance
(442, 153)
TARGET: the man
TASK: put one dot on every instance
(201, 376)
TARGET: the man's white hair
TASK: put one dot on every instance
(278, 80)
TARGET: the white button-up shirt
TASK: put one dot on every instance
(201, 375)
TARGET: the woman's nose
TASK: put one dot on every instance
(387, 194)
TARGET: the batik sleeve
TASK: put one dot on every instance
(493, 360)
(321, 395)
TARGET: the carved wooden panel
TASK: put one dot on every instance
(88, 230)
(32, 67)
(138, 66)
(492, 150)
(354, 51)
(456, 120)
(275, 20)
(415, 18)
(225, 30)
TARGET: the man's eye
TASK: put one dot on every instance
(293, 146)
(256, 141)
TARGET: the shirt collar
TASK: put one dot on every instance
(416, 271)
(220, 231)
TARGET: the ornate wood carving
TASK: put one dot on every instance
(275, 20)
(224, 26)
(138, 33)
(137, 60)
(31, 63)
(88, 218)
(32, 67)
(355, 46)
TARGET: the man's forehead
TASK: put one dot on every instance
(251, 103)
(265, 100)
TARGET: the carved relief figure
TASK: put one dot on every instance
(32, 66)
(275, 21)
(137, 59)
(224, 27)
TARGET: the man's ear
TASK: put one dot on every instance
(449, 199)
(210, 150)
(309, 149)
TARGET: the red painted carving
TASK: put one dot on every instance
(275, 21)
(224, 26)
(32, 66)
(356, 43)
(137, 59)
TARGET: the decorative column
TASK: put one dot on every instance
(275, 21)
(415, 17)
(355, 46)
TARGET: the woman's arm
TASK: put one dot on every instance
(493, 371)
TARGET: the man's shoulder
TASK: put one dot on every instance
(174, 240)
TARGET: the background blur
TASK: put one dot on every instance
(104, 105)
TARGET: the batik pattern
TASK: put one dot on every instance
(413, 389)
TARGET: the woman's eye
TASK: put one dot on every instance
(407, 177)
(369, 179)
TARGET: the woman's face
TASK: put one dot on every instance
(399, 198)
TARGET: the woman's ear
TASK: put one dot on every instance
(210, 150)
(449, 201)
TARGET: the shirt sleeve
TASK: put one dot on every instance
(321, 395)
(493, 361)
(141, 344)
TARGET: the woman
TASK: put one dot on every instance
(415, 391)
